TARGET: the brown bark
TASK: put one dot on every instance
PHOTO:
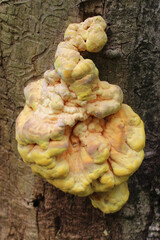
(31, 208)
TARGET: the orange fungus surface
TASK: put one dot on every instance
(74, 130)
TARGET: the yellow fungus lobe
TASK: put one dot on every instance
(74, 130)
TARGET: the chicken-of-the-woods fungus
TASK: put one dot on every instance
(74, 130)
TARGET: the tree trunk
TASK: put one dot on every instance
(31, 208)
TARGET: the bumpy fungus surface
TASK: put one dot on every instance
(74, 130)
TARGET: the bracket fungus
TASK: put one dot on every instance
(74, 130)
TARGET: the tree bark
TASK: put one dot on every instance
(31, 208)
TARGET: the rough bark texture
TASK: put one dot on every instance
(31, 208)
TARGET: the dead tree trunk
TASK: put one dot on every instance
(31, 208)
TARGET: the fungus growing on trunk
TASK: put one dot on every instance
(74, 130)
